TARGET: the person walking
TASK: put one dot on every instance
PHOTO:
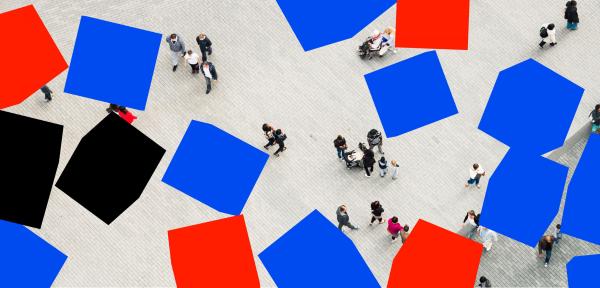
(192, 59)
(340, 145)
(394, 169)
(469, 226)
(47, 93)
(126, 114)
(475, 174)
(548, 34)
(394, 228)
(571, 15)
(404, 233)
(343, 218)
(546, 244)
(557, 234)
(113, 108)
(177, 48)
(374, 138)
(484, 282)
(376, 212)
(205, 45)
(382, 167)
(279, 139)
(595, 117)
(210, 74)
(368, 161)
(269, 134)
(488, 237)
(388, 40)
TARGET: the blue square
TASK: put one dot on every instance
(27, 260)
(411, 94)
(215, 168)
(314, 253)
(531, 108)
(113, 63)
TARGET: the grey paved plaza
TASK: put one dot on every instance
(265, 76)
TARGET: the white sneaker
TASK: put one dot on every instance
(368, 175)
(394, 240)
(545, 264)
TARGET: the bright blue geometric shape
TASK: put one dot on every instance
(26, 260)
(319, 23)
(314, 253)
(523, 184)
(582, 271)
(531, 108)
(581, 217)
(113, 63)
(411, 94)
(215, 168)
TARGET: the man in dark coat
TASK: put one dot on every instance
(571, 15)
(343, 218)
(368, 161)
(205, 45)
(210, 74)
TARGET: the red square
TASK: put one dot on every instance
(435, 24)
(435, 257)
(29, 57)
(213, 254)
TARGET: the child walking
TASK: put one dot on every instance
(395, 170)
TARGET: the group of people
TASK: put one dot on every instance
(394, 228)
(378, 43)
(274, 136)
(121, 111)
(367, 161)
(547, 242)
(548, 31)
(178, 51)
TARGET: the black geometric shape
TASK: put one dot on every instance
(110, 168)
(31, 150)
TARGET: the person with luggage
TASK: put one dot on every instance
(548, 34)
(340, 145)
(374, 138)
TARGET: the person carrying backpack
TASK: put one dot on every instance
(548, 34)
(571, 15)
(279, 138)
(340, 145)
(374, 138)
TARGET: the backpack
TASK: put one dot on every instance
(543, 32)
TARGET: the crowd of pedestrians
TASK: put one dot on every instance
(367, 160)
(394, 228)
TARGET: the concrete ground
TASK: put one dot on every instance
(265, 76)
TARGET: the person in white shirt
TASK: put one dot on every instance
(394, 169)
(388, 41)
(192, 59)
(487, 237)
(210, 74)
(475, 174)
(549, 35)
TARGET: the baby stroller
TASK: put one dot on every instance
(352, 160)
(366, 50)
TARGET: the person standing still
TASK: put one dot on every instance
(546, 244)
(395, 169)
(47, 93)
(205, 45)
(376, 212)
(343, 218)
(548, 34)
(484, 282)
(279, 139)
(192, 59)
(340, 145)
(382, 167)
(557, 234)
(210, 74)
(374, 138)
(571, 15)
(177, 48)
(475, 174)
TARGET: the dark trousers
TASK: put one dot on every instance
(271, 143)
(373, 218)
(473, 180)
(47, 92)
(340, 152)
(204, 52)
(347, 224)
(281, 147)
(548, 255)
(208, 83)
(195, 68)
(367, 169)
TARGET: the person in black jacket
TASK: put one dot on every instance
(484, 282)
(210, 74)
(340, 145)
(595, 117)
(269, 134)
(374, 138)
(376, 212)
(546, 244)
(205, 45)
(571, 15)
(368, 161)
(279, 138)
(47, 93)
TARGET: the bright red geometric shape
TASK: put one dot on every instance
(435, 257)
(213, 254)
(435, 24)
(29, 56)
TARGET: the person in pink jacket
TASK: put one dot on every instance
(394, 228)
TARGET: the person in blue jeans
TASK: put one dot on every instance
(475, 174)
(571, 15)
(340, 145)
(557, 234)
(546, 244)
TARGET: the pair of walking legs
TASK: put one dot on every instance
(572, 25)
(367, 168)
(378, 147)
(373, 218)
(348, 224)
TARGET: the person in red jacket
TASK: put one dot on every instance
(126, 114)
(394, 228)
